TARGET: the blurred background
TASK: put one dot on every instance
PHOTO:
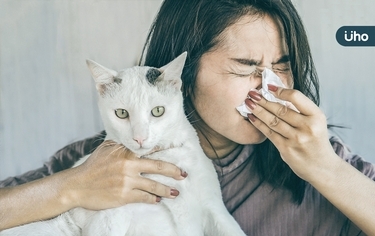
(48, 99)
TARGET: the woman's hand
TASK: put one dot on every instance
(301, 138)
(111, 177)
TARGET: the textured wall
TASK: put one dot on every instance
(47, 98)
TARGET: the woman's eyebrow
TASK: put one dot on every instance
(247, 62)
(252, 62)
(282, 59)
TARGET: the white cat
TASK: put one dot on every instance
(142, 108)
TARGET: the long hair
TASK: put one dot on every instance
(195, 26)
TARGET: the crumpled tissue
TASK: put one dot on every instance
(268, 77)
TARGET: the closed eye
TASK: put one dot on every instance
(255, 72)
(281, 67)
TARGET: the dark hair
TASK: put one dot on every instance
(195, 26)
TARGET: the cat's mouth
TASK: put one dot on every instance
(159, 148)
(142, 151)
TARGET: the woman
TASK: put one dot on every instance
(280, 172)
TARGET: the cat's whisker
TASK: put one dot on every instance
(194, 121)
(107, 143)
(124, 149)
(117, 149)
(190, 114)
(99, 139)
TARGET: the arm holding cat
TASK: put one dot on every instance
(108, 179)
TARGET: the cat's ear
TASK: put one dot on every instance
(102, 75)
(173, 70)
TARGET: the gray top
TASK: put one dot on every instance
(259, 208)
(263, 210)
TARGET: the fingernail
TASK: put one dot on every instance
(272, 87)
(251, 117)
(174, 192)
(158, 199)
(250, 104)
(184, 174)
(254, 95)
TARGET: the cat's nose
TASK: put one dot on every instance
(139, 140)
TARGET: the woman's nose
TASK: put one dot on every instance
(257, 77)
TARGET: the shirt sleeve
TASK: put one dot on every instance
(356, 161)
(61, 160)
(360, 164)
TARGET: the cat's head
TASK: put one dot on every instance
(140, 106)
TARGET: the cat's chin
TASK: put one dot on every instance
(142, 151)
(137, 149)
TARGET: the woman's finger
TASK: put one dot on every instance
(272, 129)
(140, 196)
(273, 136)
(299, 100)
(268, 123)
(277, 110)
(161, 167)
(155, 188)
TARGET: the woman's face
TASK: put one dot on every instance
(226, 74)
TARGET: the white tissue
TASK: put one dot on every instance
(268, 77)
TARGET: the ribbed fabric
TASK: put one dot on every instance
(262, 210)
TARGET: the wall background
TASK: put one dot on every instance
(47, 97)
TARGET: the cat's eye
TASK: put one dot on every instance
(121, 113)
(157, 111)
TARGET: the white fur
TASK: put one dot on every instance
(198, 210)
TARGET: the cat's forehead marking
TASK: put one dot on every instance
(117, 80)
(152, 74)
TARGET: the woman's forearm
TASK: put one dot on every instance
(350, 191)
(38, 200)
(111, 177)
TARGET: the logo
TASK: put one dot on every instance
(356, 36)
